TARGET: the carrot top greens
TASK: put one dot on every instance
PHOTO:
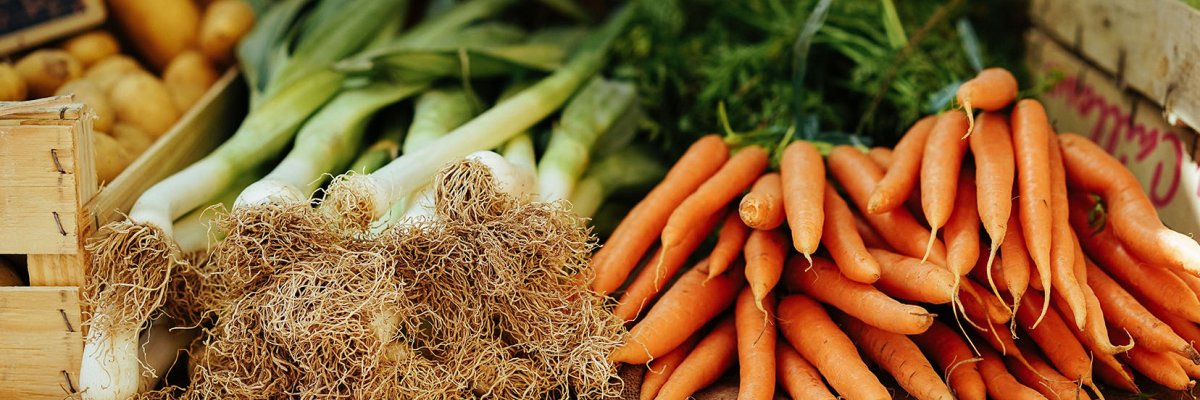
(849, 71)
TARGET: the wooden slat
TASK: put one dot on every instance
(40, 344)
(35, 188)
(200, 130)
(1149, 45)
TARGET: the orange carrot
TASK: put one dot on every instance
(798, 377)
(823, 282)
(755, 346)
(1192, 370)
(802, 176)
(1054, 338)
(1016, 260)
(991, 90)
(1158, 367)
(900, 357)
(765, 252)
(1031, 144)
(1062, 248)
(962, 229)
(996, 311)
(996, 276)
(901, 178)
(733, 178)
(869, 237)
(762, 207)
(689, 304)
(645, 287)
(1043, 378)
(711, 357)
(908, 278)
(730, 240)
(1117, 378)
(995, 170)
(1186, 330)
(859, 176)
(1126, 313)
(814, 335)
(1191, 281)
(1002, 385)
(940, 167)
(954, 358)
(999, 340)
(661, 368)
(882, 156)
(1133, 217)
(843, 242)
(642, 225)
(1101, 354)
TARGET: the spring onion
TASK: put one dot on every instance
(588, 115)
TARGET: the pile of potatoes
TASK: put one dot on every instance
(133, 105)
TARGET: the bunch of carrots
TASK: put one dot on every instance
(809, 274)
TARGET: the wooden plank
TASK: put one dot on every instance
(68, 269)
(56, 269)
(1089, 102)
(41, 342)
(1149, 45)
(38, 163)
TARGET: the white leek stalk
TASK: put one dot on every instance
(628, 168)
(374, 194)
(588, 115)
(110, 367)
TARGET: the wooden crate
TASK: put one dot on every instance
(50, 204)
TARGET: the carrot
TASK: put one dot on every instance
(1031, 145)
(1100, 355)
(802, 175)
(1158, 367)
(901, 177)
(634, 235)
(994, 278)
(843, 241)
(1054, 338)
(1002, 385)
(1134, 219)
(765, 252)
(1192, 282)
(1121, 378)
(1126, 313)
(814, 335)
(762, 208)
(1043, 378)
(823, 282)
(1192, 370)
(755, 346)
(954, 358)
(645, 287)
(711, 357)
(1001, 341)
(1016, 260)
(1152, 284)
(882, 156)
(962, 229)
(869, 237)
(733, 177)
(1062, 248)
(940, 167)
(661, 368)
(907, 278)
(996, 310)
(991, 90)
(859, 176)
(689, 304)
(1186, 330)
(995, 169)
(799, 378)
(730, 240)
(900, 357)
(1094, 328)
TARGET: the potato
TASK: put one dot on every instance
(8, 274)
(187, 77)
(46, 69)
(111, 158)
(143, 101)
(106, 72)
(12, 85)
(92, 46)
(87, 92)
(225, 22)
(135, 141)
(158, 29)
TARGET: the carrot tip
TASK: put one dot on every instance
(970, 118)
(929, 245)
(1045, 307)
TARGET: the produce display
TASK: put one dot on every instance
(669, 199)
(134, 105)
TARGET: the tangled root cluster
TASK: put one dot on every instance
(129, 275)
(486, 299)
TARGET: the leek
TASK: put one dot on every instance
(625, 169)
(589, 114)
(385, 149)
(363, 198)
(437, 112)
